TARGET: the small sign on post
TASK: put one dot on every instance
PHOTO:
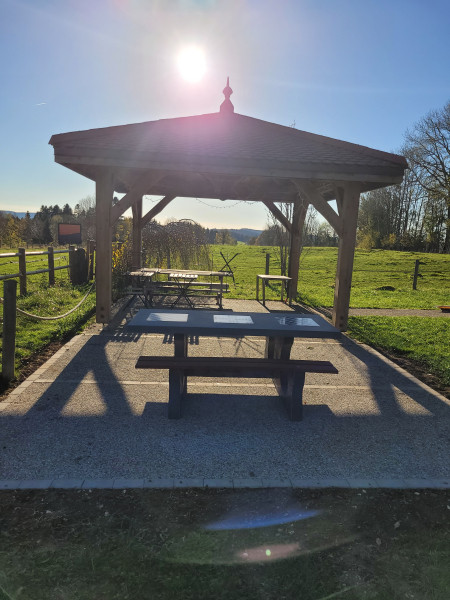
(69, 233)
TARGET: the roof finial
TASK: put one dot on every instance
(227, 105)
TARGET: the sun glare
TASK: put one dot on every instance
(192, 64)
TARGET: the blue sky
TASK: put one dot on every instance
(357, 70)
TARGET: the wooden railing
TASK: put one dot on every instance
(23, 273)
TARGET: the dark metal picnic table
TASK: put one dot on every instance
(279, 329)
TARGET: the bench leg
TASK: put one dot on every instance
(176, 384)
(293, 399)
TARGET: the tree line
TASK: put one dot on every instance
(414, 215)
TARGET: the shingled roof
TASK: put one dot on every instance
(225, 144)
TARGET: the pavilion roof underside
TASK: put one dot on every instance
(224, 156)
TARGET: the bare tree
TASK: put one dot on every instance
(428, 149)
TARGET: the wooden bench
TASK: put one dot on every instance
(204, 289)
(288, 375)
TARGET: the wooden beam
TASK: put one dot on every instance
(104, 194)
(298, 220)
(136, 258)
(156, 210)
(278, 214)
(346, 252)
(134, 195)
(318, 201)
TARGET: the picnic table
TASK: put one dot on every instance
(279, 330)
(179, 284)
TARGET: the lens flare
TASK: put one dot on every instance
(192, 64)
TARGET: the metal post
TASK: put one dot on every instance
(22, 271)
(51, 266)
(9, 329)
(416, 274)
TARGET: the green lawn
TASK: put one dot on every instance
(173, 545)
(425, 340)
(373, 270)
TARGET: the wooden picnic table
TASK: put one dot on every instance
(180, 284)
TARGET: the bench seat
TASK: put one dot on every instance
(288, 375)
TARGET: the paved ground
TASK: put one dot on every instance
(88, 418)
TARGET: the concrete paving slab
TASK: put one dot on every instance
(10, 484)
(122, 483)
(218, 483)
(67, 484)
(159, 483)
(189, 483)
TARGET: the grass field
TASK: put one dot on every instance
(423, 340)
(224, 544)
(373, 270)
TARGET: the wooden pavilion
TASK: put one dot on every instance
(231, 157)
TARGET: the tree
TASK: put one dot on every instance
(428, 147)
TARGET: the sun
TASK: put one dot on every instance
(192, 64)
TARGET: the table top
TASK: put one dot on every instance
(234, 324)
(282, 277)
(150, 272)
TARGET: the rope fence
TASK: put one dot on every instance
(39, 318)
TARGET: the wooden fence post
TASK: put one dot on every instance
(267, 263)
(78, 266)
(90, 251)
(416, 274)
(51, 266)
(22, 271)
(9, 329)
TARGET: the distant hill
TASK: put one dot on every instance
(243, 235)
(20, 215)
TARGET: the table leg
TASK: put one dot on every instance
(264, 292)
(180, 342)
(257, 288)
(279, 348)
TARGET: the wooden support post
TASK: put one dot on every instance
(298, 219)
(137, 235)
(9, 329)
(51, 266)
(103, 269)
(22, 271)
(346, 252)
(267, 264)
(416, 274)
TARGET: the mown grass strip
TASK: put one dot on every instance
(422, 339)
(355, 544)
